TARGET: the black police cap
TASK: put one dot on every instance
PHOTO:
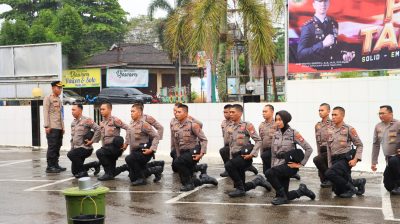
(118, 141)
(57, 83)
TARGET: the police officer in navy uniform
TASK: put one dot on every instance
(318, 39)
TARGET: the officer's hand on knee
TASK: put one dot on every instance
(353, 162)
(197, 157)
(373, 167)
(147, 151)
(247, 157)
(294, 165)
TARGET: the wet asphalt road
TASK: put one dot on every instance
(29, 195)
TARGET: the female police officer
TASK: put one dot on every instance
(286, 160)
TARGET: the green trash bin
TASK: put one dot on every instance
(85, 202)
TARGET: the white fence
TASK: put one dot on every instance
(361, 97)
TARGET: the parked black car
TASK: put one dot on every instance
(123, 96)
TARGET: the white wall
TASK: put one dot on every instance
(15, 126)
(361, 97)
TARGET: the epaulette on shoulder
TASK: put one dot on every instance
(308, 22)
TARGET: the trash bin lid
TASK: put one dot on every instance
(74, 191)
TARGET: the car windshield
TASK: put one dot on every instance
(70, 93)
(133, 91)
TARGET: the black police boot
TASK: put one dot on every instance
(174, 169)
(360, 184)
(395, 191)
(205, 179)
(326, 184)
(62, 169)
(81, 174)
(52, 169)
(157, 171)
(93, 165)
(296, 176)
(120, 169)
(252, 169)
(262, 182)
(139, 182)
(106, 177)
(224, 174)
(280, 198)
(238, 192)
(202, 168)
(156, 163)
(304, 191)
(350, 192)
(187, 187)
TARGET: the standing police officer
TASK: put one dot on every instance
(54, 126)
(185, 136)
(110, 127)
(321, 135)
(286, 160)
(318, 39)
(387, 134)
(81, 142)
(242, 153)
(138, 136)
(343, 157)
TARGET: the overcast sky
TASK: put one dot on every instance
(134, 7)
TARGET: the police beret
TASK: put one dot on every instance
(88, 136)
(245, 150)
(118, 141)
(57, 83)
(295, 156)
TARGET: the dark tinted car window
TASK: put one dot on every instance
(133, 91)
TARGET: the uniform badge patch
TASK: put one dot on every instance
(299, 137)
(354, 132)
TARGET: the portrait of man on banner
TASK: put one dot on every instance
(318, 46)
(336, 36)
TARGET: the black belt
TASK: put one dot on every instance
(339, 156)
(267, 148)
(323, 149)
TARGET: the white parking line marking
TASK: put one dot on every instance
(185, 194)
(50, 184)
(270, 205)
(387, 205)
(112, 191)
(17, 162)
(18, 180)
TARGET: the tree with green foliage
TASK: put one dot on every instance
(84, 27)
(142, 30)
(104, 23)
(203, 25)
(27, 10)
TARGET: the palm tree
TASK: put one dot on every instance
(202, 25)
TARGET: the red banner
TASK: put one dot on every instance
(333, 35)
